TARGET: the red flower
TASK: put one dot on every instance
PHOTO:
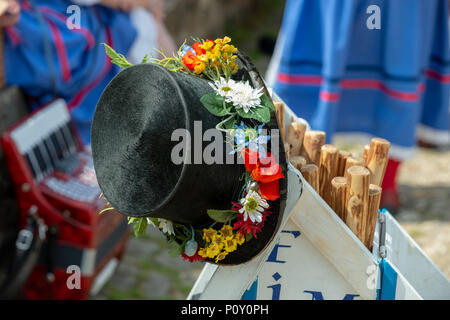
(245, 227)
(266, 171)
(195, 257)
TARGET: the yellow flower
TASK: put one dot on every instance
(212, 250)
(227, 231)
(218, 241)
(202, 253)
(240, 239)
(203, 57)
(221, 256)
(230, 244)
(219, 42)
(214, 54)
(209, 234)
(207, 45)
(199, 67)
(229, 48)
(233, 66)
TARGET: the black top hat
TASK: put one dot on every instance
(132, 146)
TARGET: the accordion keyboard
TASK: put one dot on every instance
(48, 143)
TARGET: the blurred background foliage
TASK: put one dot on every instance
(252, 25)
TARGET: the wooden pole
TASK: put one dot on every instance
(338, 194)
(365, 153)
(312, 142)
(377, 160)
(311, 174)
(374, 204)
(294, 136)
(279, 111)
(287, 150)
(343, 155)
(298, 162)
(357, 198)
(329, 157)
(352, 161)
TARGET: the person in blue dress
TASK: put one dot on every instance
(49, 58)
(368, 68)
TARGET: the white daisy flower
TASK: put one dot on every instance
(243, 96)
(150, 222)
(240, 94)
(253, 206)
(223, 87)
(166, 226)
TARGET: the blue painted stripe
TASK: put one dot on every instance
(250, 293)
(388, 282)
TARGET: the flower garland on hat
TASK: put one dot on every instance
(237, 104)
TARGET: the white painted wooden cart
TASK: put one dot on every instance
(316, 256)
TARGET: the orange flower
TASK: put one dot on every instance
(190, 60)
(266, 171)
(198, 48)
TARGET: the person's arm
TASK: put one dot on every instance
(86, 2)
(156, 7)
(11, 15)
(124, 5)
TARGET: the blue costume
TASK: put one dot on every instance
(343, 75)
(48, 60)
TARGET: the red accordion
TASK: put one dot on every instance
(54, 178)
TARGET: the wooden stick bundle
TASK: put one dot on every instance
(349, 184)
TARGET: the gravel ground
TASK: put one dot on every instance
(147, 270)
(425, 198)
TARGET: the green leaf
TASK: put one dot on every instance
(140, 226)
(155, 221)
(116, 58)
(215, 104)
(177, 249)
(221, 216)
(248, 237)
(229, 124)
(131, 220)
(261, 114)
(145, 59)
(267, 102)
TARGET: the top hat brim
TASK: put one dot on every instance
(248, 251)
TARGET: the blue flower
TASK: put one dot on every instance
(250, 138)
(185, 48)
